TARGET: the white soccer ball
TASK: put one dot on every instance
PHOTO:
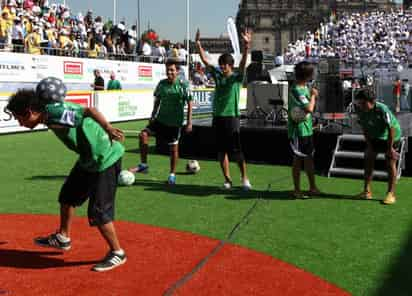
(192, 166)
(126, 178)
(298, 114)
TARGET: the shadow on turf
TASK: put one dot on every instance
(206, 190)
(236, 192)
(36, 259)
(151, 150)
(398, 277)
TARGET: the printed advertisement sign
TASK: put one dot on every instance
(122, 106)
(145, 72)
(73, 70)
(17, 67)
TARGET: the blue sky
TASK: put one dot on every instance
(167, 17)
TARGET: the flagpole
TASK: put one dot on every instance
(138, 20)
(187, 31)
(114, 12)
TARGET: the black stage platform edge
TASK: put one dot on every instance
(269, 144)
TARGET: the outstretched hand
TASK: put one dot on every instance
(247, 37)
(197, 38)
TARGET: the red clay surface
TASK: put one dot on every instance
(157, 258)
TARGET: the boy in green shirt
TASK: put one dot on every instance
(300, 132)
(171, 96)
(226, 112)
(94, 175)
(382, 133)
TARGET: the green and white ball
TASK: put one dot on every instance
(298, 114)
(192, 166)
(126, 178)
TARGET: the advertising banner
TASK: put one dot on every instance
(127, 105)
(17, 67)
(203, 100)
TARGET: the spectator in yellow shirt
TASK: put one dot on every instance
(32, 41)
(4, 28)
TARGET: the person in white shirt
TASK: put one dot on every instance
(17, 36)
(146, 51)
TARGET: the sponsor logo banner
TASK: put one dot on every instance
(145, 72)
(73, 70)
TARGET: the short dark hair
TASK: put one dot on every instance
(365, 94)
(172, 61)
(226, 59)
(23, 101)
(304, 71)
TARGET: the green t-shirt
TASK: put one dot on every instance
(299, 97)
(227, 93)
(83, 135)
(173, 97)
(113, 85)
(378, 121)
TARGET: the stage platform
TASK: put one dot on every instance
(267, 143)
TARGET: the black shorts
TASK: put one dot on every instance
(302, 146)
(170, 134)
(99, 187)
(381, 146)
(227, 131)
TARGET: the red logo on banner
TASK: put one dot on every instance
(73, 68)
(145, 71)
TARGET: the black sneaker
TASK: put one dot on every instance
(53, 241)
(112, 260)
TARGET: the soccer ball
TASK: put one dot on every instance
(51, 89)
(126, 178)
(298, 114)
(192, 166)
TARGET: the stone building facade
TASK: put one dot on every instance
(276, 23)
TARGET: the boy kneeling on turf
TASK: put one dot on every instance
(94, 175)
(300, 132)
(382, 133)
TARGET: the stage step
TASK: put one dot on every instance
(357, 155)
(342, 166)
(357, 172)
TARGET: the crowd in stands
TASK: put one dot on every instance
(41, 27)
(369, 38)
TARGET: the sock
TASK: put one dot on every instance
(119, 252)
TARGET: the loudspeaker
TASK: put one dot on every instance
(257, 56)
(331, 99)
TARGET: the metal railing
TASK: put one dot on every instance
(82, 53)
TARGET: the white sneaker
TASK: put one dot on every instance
(227, 185)
(246, 185)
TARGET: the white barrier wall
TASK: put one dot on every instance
(19, 67)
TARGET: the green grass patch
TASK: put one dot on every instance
(362, 246)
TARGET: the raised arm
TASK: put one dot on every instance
(247, 39)
(200, 49)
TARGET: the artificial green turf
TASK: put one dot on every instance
(361, 246)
